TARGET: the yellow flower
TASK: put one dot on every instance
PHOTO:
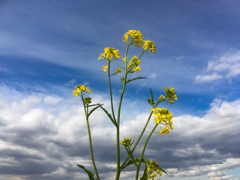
(80, 88)
(105, 68)
(130, 64)
(151, 167)
(165, 130)
(152, 176)
(136, 36)
(162, 115)
(118, 71)
(138, 62)
(125, 38)
(101, 56)
(149, 45)
(136, 69)
(75, 92)
(159, 172)
(161, 98)
(124, 58)
(109, 53)
(170, 94)
(153, 50)
(135, 61)
(116, 54)
(126, 141)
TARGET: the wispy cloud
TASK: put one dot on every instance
(226, 66)
(218, 175)
(153, 75)
(5, 70)
(207, 78)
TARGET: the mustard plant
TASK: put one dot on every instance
(161, 116)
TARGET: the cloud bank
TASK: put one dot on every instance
(44, 136)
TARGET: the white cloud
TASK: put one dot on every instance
(219, 175)
(213, 171)
(57, 137)
(70, 83)
(226, 66)
(216, 102)
(153, 75)
(207, 78)
(52, 100)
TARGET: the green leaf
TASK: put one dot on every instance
(162, 170)
(151, 93)
(135, 79)
(147, 162)
(130, 162)
(90, 174)
(130, 154)
(109, 115)
(99, 105)
(151, 100)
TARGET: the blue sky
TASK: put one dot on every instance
(49, 47)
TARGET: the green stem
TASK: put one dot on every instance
(137, 140)
(118, 116)
(136, 61)
(130, 154)
(110, 89)
(90, 139)
(140, 136)
(138, 167)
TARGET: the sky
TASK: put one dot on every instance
(49, 47)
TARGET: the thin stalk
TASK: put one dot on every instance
(110, 89)
(130, 154)
(138, 167)
(90, 139)
(118, 116)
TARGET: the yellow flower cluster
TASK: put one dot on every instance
(109, 53)
(136, 37)
(81, 88)
(152, 166)
(126, 141)
(170, 94)
(136, 62)
(162, 115)
(149, 45)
